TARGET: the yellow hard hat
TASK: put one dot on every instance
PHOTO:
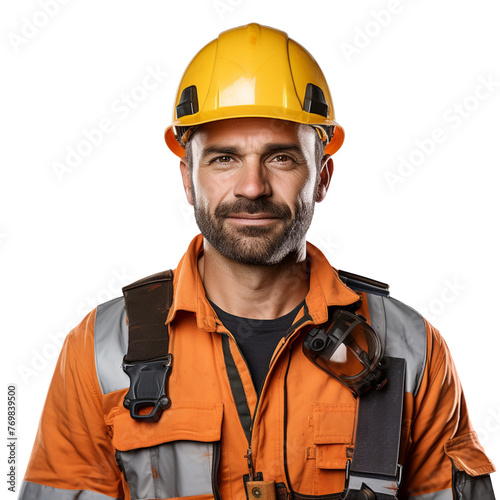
(253, 71)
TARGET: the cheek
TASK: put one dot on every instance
(311, 187)
(208, 194)
(303, 191)
(200, 199)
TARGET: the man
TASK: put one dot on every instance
(245, 414)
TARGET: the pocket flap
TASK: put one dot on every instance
(333, 423)
(468, 455)
(182, 422)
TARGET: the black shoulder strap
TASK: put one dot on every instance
(363, 284)
(374, 472)
(147, 303)
(148, 362)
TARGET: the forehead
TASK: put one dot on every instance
(252, 133)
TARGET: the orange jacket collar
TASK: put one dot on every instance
(325, 288)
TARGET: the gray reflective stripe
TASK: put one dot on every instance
(33, 491)
(404, 333)
(170, 470)
(438, 495)
(111, 344)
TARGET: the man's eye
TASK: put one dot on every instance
(222, 159)
(282, 158)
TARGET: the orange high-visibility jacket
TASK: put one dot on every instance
(304, 424)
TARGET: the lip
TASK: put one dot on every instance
(259, 219)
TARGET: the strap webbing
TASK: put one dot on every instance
(147, 303)
(379, 424)
(240, 399)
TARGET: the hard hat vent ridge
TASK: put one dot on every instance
(188, 103)
(314, 100)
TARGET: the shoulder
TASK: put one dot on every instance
(111, 327)
(404, 332)
(110, 344)
(408, 335)
(110, 316)
(405, 335)
(96, 346)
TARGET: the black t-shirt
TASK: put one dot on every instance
(257, 339)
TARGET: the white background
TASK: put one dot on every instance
(398, 70)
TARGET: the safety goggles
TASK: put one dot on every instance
(349, 350)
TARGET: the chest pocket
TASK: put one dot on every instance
(333, 434)
(176, 457)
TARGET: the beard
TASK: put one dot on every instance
(256, 245)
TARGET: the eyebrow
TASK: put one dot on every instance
(268, 148)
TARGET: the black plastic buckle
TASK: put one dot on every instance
(148, 387)
(368, 487)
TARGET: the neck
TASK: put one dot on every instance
(252, 291)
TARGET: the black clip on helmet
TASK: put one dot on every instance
(349, 350)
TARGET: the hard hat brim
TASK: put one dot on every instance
(330, 148)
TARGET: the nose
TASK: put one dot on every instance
(252, 181)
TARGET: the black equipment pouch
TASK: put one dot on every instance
(148, 363)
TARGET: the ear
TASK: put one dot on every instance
(325, 176)
(187, 181)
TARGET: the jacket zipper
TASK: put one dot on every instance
(306, 318)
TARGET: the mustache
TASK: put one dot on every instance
(244, 205)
